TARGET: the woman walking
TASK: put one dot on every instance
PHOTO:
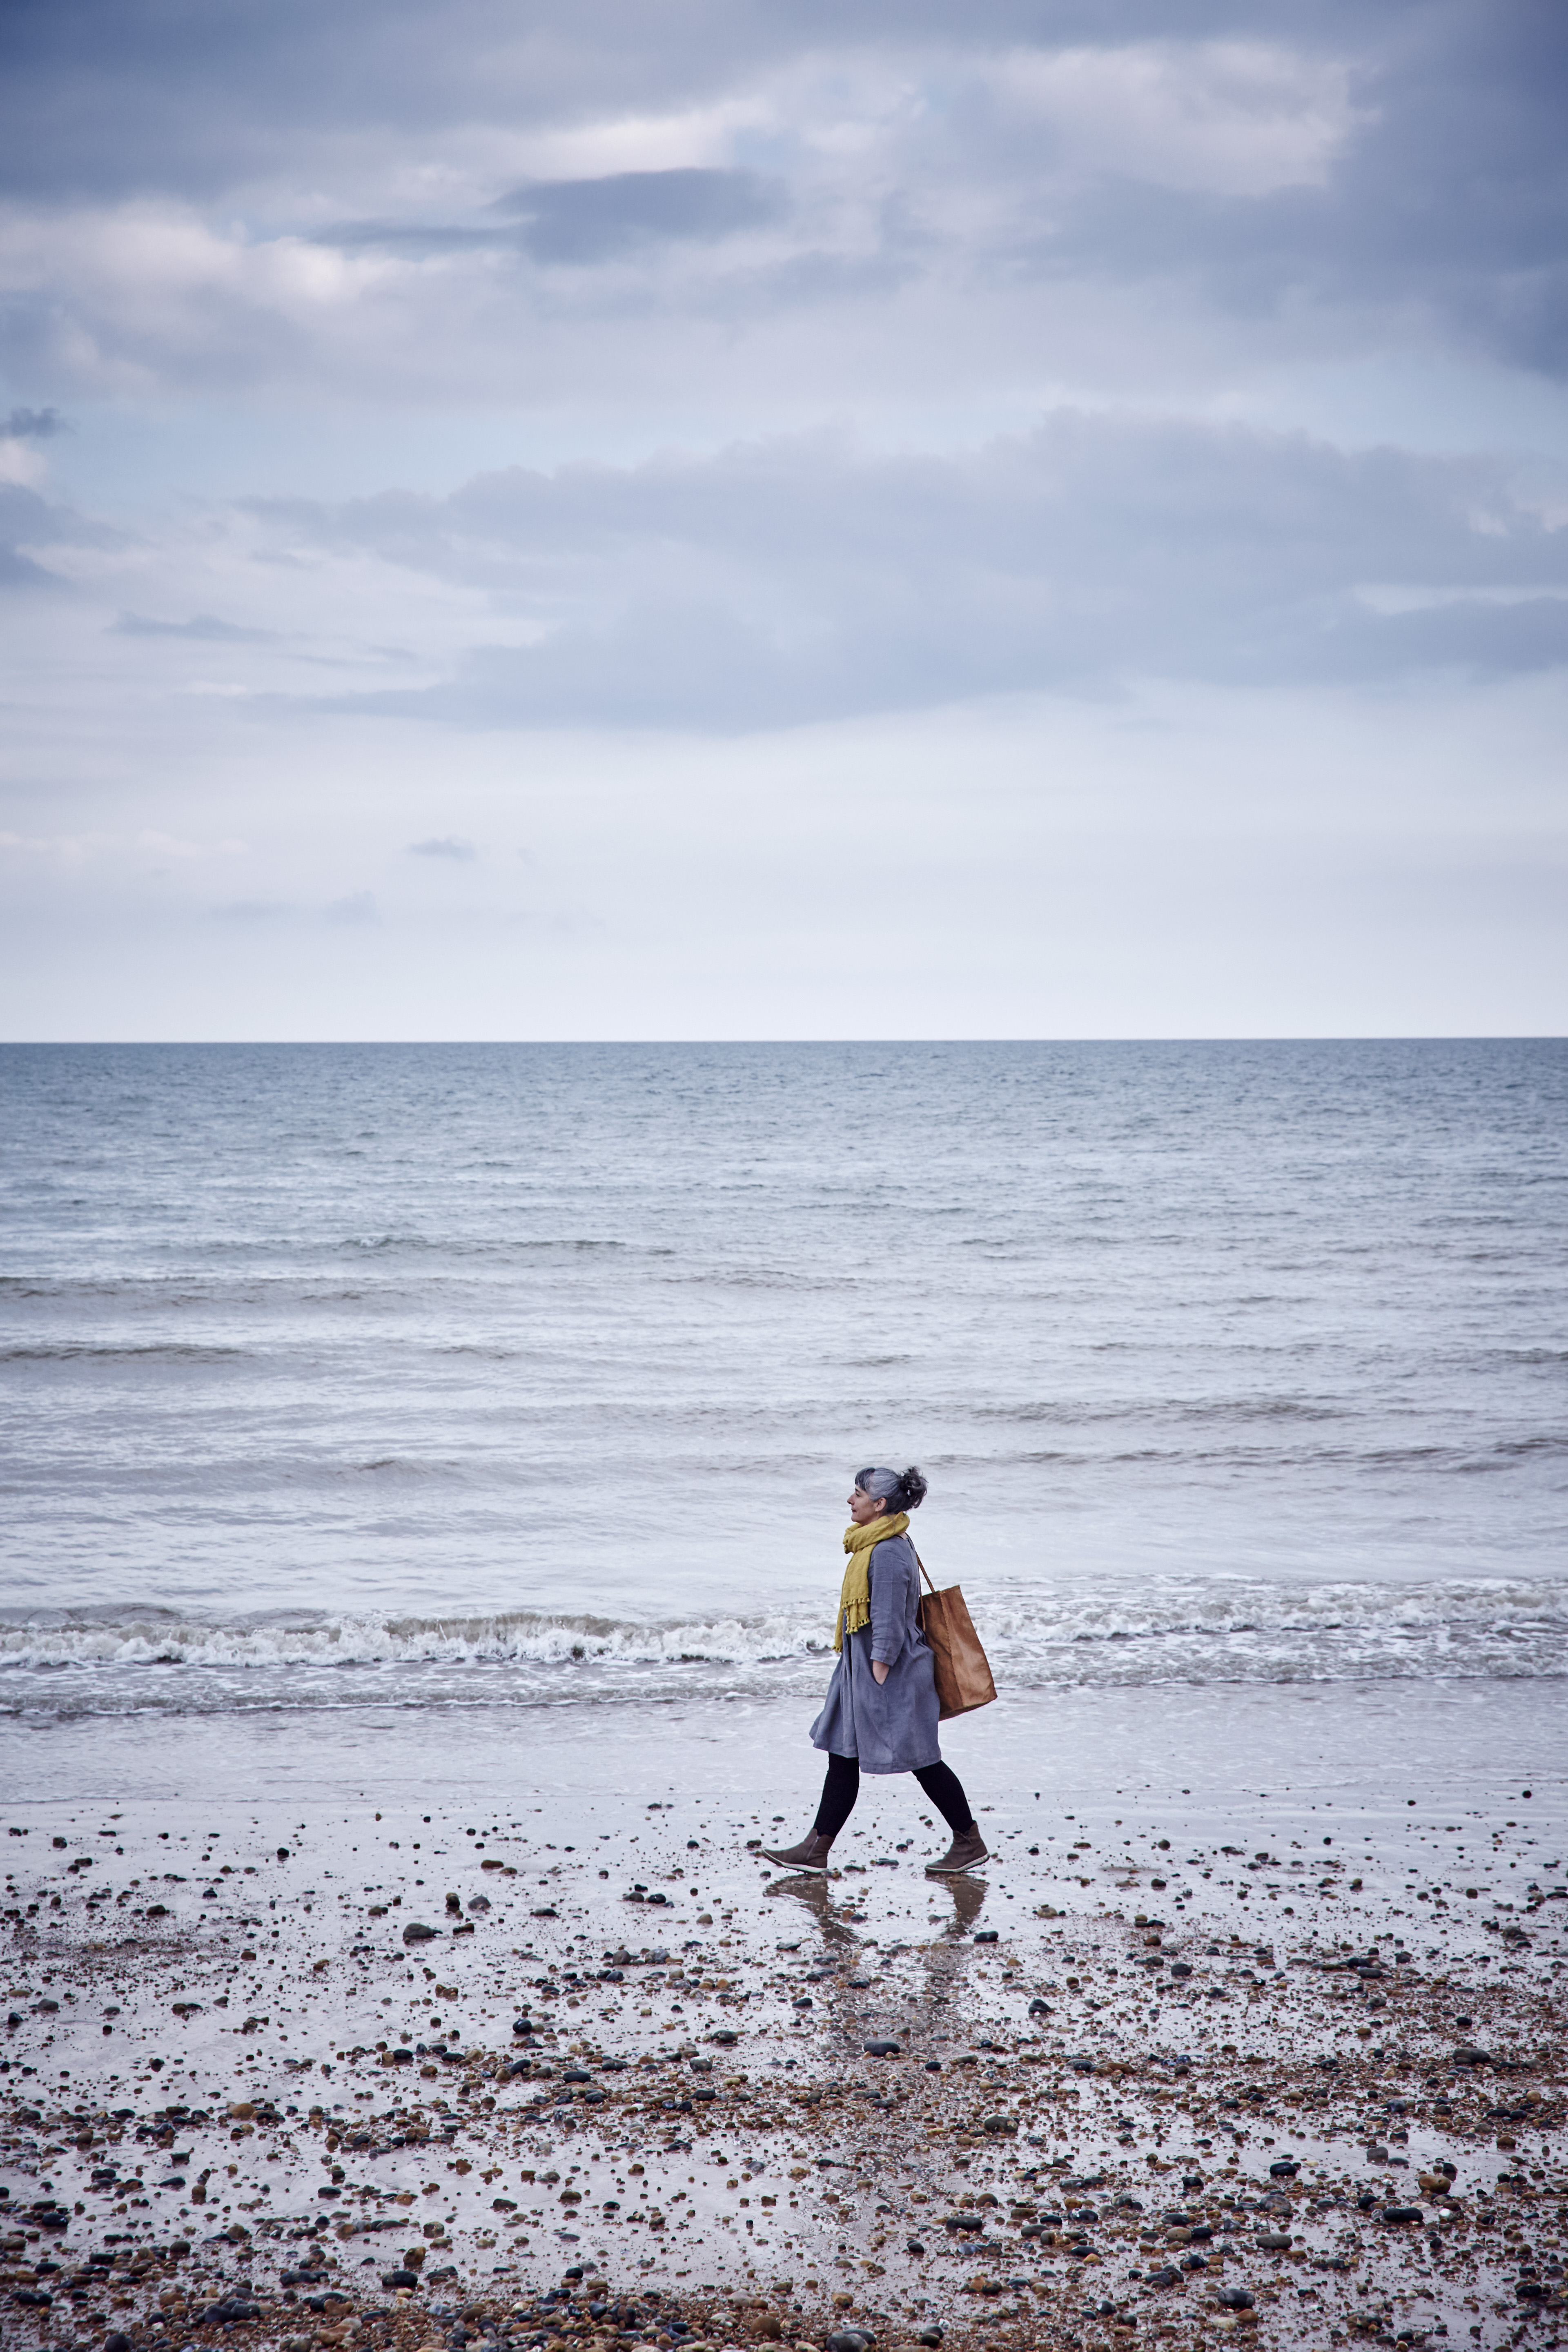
(880, 1713)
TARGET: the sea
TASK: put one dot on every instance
(382, 1414)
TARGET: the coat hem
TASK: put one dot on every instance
(880, 1772)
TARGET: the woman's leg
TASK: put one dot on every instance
(839, 1791)
(945, 1789)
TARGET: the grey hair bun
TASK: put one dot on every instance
(911, 1491)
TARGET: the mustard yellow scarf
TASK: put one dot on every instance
(855, 1598)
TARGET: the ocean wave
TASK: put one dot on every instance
(174, 1352)
(1227, 1629)
(154, 1636)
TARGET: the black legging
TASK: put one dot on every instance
(842, 1786)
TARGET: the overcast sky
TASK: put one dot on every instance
(560, 517)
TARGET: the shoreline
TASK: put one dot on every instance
(1346, 1741)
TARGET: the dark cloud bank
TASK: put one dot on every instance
(792, 581)
(780, 580)
(1446, 208)
(588, 221)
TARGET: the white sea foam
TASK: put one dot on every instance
(1221, 1632)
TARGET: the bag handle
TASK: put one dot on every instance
(921, 1566)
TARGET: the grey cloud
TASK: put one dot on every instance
(1447, 205)
(590, 220)
(33, 425)
(203, 627)
(107, 98)
(416, 238)
(1473, 634)
(446, 845)
(802, 579)
(579, 222)
(358, 908)
(19, 570)
(27, 520)
(1441, 215)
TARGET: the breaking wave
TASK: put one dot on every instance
(1228, 1629)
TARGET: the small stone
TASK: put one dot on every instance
(1402, 2213)
(1235, 2298)
(416, 1932)
(882, 2050)
(985, 1935)
(1274, 2242)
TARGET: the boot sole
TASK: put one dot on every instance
(805, 1869)
(957, 1870)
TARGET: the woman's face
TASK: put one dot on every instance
(864, 1507)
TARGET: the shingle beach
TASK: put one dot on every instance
(391, 2078)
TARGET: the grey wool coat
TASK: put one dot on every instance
(890, 1727)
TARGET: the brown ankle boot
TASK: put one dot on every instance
(811, 1854)
(966, 1852)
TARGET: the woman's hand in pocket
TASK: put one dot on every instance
(880, 1670)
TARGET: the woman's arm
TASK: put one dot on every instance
(890, 1565)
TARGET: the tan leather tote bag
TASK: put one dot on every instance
(964, 1679)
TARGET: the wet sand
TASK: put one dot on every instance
(1170, 2069)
